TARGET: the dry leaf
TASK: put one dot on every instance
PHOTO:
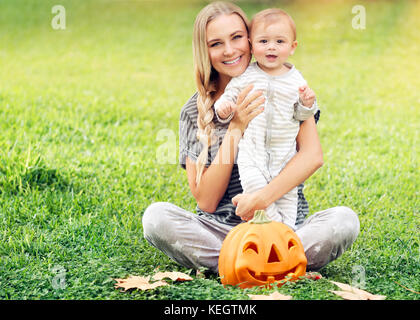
(174, 276)
(136, 282)
(142, 283)
(347, 295)
(350, 293)
(274, 296)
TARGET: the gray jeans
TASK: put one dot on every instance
(194, 241)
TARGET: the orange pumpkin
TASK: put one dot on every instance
(261, 253)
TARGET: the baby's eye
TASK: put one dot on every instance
(263, 41)
(280, 41)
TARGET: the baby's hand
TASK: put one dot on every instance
(225, 109)
(307, 96)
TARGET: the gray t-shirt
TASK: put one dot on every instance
(191, 147)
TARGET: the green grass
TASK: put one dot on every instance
(80, 110)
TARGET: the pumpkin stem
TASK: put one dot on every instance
(259, 217)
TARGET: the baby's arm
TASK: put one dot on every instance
(306, 106)
(225, 105)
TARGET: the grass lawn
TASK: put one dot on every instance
(83, 110)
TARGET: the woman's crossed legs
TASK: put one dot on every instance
(194, 241)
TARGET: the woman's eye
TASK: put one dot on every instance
(214, 44)
(237, 37)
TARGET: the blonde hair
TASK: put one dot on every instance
(206, 76)
(272, 15)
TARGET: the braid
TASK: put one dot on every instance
(205, 133)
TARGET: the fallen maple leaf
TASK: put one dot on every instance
(274, 296)
(350, 293)
(174, 276)
(136, 282)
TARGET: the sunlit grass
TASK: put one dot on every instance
(80, 110)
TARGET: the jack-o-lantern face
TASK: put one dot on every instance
(255, 254)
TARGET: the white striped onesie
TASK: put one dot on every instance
(269, 142)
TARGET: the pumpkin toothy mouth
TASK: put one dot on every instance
(270, 277)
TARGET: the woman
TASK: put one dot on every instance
(207, 152)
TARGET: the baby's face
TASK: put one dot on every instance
(272, 45)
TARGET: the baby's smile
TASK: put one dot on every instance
(271, 57)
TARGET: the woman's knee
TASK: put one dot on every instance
(337, 229)
(349, 222)
(153, 217)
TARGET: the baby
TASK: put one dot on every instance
(269, 142)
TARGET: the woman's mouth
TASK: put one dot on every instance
(233, 62)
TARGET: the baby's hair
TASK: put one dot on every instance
(207, 77)
(272, 15)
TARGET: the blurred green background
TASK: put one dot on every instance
(80, 113)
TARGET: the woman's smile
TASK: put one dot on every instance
(234, 61)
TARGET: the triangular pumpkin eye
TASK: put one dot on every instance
(275, 255)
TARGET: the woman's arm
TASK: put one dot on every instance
(305, 162)
(216, 177)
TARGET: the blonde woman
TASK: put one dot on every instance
(208, 150)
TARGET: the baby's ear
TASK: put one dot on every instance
(294, 46)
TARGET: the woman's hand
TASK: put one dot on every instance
(247, 203)
(247, 108)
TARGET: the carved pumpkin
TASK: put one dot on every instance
(261, 253)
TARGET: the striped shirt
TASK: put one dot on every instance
(191, 147)
(269, 142)
(270, 139)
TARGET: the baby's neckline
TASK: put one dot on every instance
(287, 64)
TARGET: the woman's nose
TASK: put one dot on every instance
(228, 49)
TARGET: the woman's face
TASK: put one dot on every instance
(227, 42)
